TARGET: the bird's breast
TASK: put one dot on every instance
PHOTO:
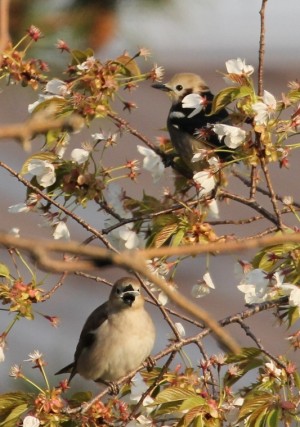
(122, 343)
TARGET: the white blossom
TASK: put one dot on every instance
(61, 231)
(79, 155)
(57, 87)
(238, 66)
(44, 172)
(18, 208)
(206, 181)
(272, 369)
(129, 237)
(114, 196)
(200, 154)
(34, 356)
(180, 329)
(2, 355)
(264, 110)
(203, 286)
(152, 162)
(15, 232)
(88, 64)
(213, 208)
(234, 136)
(30, 421)
(98, 136)
(193, 101)
(254, 285)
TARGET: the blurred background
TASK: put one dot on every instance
(191, 35)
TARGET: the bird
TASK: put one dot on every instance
(116, 338)
(189, 121)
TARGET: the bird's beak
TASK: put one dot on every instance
(129, 297)
(161, 86)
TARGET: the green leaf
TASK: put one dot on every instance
(14, 415)
(246, 354)
(177, 239)
(228, 95)
(273, 417)
(12, 406)
(80, 56)
(80, 397)
(173, 394)
(4, 271)
(192, 402)
(129, 65)
(294, 95)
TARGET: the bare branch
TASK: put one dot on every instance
(261, 56)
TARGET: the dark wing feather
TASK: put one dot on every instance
(94, 321)
(86, 339)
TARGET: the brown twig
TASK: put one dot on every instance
(37, 124)
(272, 193)
(76, 218)
(4, 25)
(261, 56)
(253, 182)
(251, 203)
(136, 261)
(260, 189)
(250, 334)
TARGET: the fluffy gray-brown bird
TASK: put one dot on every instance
(189, 123)
(116, 338)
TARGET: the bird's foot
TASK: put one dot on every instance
(113, 388)
(149, 363)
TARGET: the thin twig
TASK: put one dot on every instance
(251, 203)
(272, 193)
(261, 56)
(4, 26)
(57, 205)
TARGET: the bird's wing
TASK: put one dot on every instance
(93, 322)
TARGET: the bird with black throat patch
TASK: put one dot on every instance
(190, 122)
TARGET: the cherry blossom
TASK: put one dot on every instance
(234, 136)
(152, 162)
(44, 172)
(264, 110)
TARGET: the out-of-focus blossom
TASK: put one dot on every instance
(18, 208)
(203, 286)
(152, 162)
(88, 64)
(79, 155)
(61, 231)
(30, 421)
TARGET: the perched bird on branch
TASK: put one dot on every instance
(189, 121)
(116, 338)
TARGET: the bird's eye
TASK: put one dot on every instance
(118, 290)
(179, 87)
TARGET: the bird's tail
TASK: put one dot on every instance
(66, 370)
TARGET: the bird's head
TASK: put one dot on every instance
(125, 293)
(182, 84)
